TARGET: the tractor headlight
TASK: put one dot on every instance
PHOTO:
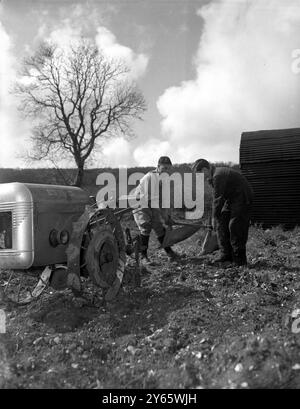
(64, 237)
(53, 238)
(58, 237)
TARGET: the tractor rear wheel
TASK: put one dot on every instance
(105, 258)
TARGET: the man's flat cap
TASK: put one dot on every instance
(164, 160)
(200, 164)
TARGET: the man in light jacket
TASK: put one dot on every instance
(150, 215)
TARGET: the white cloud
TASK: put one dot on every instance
(12, 134)
(244, 79)
(149, 152)
(67, 34)
(106, 41)
(119, 152)
(116, 153)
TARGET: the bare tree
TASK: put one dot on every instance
(77, 99)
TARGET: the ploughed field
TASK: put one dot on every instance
(190, 324)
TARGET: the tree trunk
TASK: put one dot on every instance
(79, 176)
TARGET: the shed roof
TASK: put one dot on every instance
(270, 145)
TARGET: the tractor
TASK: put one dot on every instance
(57, 236)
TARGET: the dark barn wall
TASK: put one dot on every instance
(270, 160)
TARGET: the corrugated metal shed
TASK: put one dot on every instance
(270, 160)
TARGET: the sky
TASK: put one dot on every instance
(209, 70)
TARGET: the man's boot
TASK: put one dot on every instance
(223, 258)
(240, 258)
(172, 255)
(144, 251)
(223, 234)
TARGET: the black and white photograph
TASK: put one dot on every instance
(149, 197)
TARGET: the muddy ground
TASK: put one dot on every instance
(191, 324)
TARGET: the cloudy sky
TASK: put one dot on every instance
(209, 70)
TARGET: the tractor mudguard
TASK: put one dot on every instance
(74, 249)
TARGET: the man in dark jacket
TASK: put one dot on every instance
(232, 200)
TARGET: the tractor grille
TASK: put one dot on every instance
(5, 230)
